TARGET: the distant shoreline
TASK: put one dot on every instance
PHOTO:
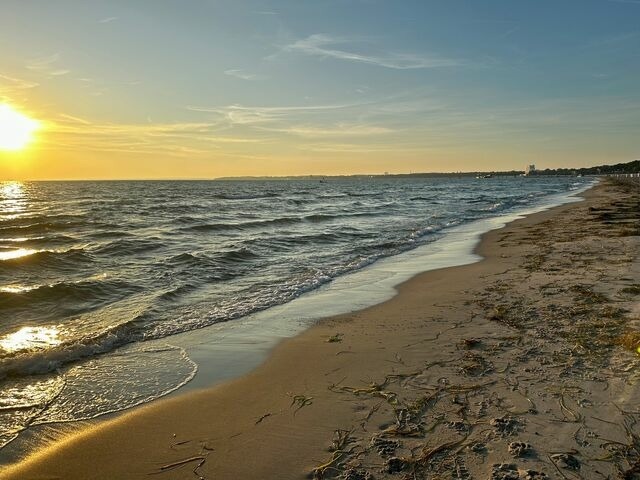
(619, 168)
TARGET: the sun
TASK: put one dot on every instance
(16, 129)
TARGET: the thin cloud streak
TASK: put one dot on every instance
(47, 65)
(320, 45)
(75, 119)
(43, 63)
(175, 139)
(242, 75)
(294, 108)
(12, 88)
(243, 115)
(12, 83)
(339, 130)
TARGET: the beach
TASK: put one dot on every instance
(522, 365)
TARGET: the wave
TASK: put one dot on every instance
(190, 259)
(224, 196)
(313, 238)
(217, 227)
(110, 233)
(47, 219)
(282, 221)
(372, 194)
(177, 292)
(129, 246)
(421, 199)
(300, 201)
(39, 228)
(480, 199)
(39, 239)
(239, 255)
(67, 292)
(55, 259)
(326, 217)
(41, 361)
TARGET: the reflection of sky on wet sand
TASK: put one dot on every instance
(30, 338)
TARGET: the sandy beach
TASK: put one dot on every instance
(520, 366)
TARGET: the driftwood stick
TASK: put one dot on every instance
(179, 463)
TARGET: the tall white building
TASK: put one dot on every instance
(530, 169)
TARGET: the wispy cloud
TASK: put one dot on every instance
(12, 83)
(510, 32)
(43, 63)
(74, 119)
(360, 148)
(238, 115)
(321, 45)
(108, 20)
(248, 115)
(47, 65)
(243, 75)
(337, 130)
(175, 139)
(12, 88)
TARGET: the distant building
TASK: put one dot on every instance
(530, 169)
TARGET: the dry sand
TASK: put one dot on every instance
(519, 366)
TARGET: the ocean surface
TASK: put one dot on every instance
(90, 272)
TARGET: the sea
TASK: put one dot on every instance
(97, 279)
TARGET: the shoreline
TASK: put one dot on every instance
(228, 350)
(287, 396)
(372, 285)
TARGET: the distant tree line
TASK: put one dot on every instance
(629, 167)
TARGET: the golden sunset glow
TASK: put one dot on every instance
(324, 99)
(16, 129)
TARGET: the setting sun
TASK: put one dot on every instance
(16, 129)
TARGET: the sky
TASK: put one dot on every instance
(210, 88)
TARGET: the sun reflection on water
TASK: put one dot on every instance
(16, 288)
(12, 189)
(12, 254)
(12, 199)
(30, 338)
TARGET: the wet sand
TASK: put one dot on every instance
(522, 365)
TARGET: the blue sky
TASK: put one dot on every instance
(206, 88)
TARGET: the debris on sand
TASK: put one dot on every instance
(506, 425)
(520, 449)
(566, 461)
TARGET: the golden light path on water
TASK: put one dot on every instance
(13, 200)
(30, 338)
(13, 204)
